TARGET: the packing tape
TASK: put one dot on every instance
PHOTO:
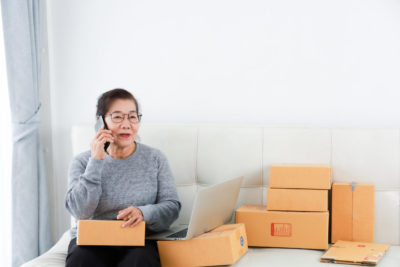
(353, 186)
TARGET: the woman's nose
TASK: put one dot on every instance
(125, 122)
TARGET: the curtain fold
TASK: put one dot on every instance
(31, 235)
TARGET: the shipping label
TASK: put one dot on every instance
(281, 229)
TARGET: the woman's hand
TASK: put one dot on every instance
(97, 144)
(131, 215)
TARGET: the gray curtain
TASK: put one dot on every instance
(30, 208)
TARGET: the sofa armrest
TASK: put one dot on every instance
(55, 256)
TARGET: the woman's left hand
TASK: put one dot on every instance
(131, 215)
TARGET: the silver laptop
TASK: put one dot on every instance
(212, 207)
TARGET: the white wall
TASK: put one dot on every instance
(309, 63)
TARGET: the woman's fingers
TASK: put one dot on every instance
(129, 222)
(102, 137)
(102, 131)
(99, 132)
(97, 144)
(140, 219)
(133, 221)
(122, 214)
(136, 222)
(125, 212)
(105, 138)
(105, 135)
(131, 215)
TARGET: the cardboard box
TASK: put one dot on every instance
(353, 212)
(109, 233)
(297, 199)
(347, 252)
(222, 246)
(284, 229)
(301, 176)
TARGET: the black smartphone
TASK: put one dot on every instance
(100, 122)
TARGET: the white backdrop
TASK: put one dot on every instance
(308, 63)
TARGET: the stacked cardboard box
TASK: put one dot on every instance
(296, 215)
(353, 212)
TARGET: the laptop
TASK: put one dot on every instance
(212, 207)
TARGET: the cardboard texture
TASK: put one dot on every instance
(301, 176)
(284, 229)
(222, 246)
(109, 233)
(353, 212)
(358, 253)
(297, 200)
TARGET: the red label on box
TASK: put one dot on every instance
(281, 229)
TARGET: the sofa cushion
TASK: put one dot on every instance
(255, 257)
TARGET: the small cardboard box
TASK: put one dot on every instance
(297, 199)
(353, 212)
(109, 233)
(284, 229)
(300, 176)
(222, 246)
(347, 252)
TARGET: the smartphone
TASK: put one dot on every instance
(100, 122)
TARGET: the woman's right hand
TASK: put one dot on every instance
(97, 144)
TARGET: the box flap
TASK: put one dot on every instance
(223, 230)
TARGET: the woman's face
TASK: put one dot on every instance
(124, 132)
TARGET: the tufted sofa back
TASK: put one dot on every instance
(201, 155)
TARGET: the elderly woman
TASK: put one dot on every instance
(126, 180)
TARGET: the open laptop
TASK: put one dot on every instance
(212, 207)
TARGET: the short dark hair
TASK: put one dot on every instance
(106, 99)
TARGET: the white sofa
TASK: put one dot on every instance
(201, 155)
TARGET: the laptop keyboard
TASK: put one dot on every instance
(180, 234)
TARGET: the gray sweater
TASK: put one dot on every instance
(98, 189)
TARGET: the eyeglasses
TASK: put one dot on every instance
(118, 117)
